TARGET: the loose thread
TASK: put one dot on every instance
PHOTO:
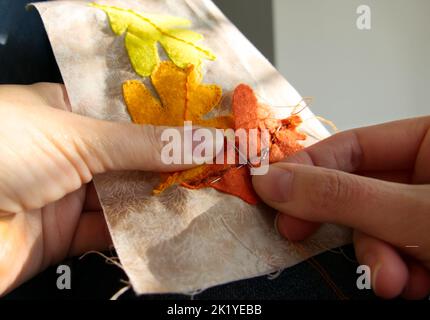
(110, 260)
(275, 275)
(341, 252)
(307, 100)
(346, 256)
(194, 293)
(324, 274)
(113, 261)
(328, 122)
(310, 134)
(120, 292)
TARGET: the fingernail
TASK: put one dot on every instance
(275, 185)
(375, 276)
(371, 261)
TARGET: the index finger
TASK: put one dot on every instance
(391, 146)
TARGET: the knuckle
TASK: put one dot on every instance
(350, 157)
(154, 137)
(334, 193)
(153, 144)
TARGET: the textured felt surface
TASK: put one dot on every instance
(143, 31)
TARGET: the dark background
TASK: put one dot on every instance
(26, 57)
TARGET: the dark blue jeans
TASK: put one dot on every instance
(26, 57)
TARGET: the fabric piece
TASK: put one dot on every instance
(183, 240)
(143, 32)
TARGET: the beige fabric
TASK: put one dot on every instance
(183, 240)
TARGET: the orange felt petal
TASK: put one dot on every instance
(249, 114)
(208, 175)
(237, 182)
(285, 141)
(245, 108)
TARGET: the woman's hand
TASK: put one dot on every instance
(48, 155)
(375, 180)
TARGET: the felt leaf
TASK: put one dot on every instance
(225, 178)
(182, 98)
(285, 140)
(237, 182)
(248, 114)
(144, 31)
(195, 178)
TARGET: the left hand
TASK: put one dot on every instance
(48, 206)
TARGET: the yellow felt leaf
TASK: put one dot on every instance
(182, 98)
(144, 31)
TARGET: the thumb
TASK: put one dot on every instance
(55, 152)
(382, 209)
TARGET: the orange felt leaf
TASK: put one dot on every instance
(222, 177)
(193, 178)
(249, 114)
(182, 98)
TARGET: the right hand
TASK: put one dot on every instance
(375, 180)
